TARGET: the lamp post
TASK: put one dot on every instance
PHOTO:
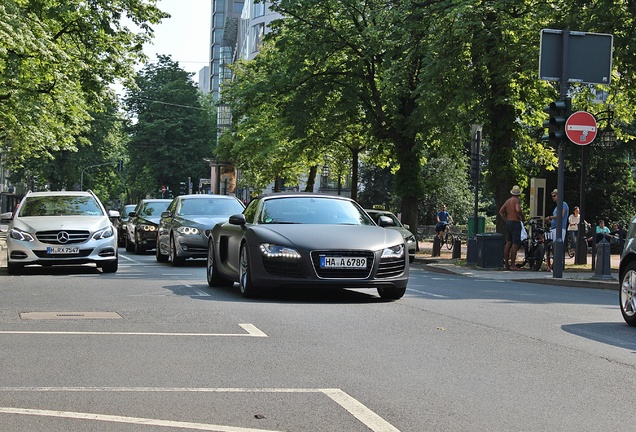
(93, 166)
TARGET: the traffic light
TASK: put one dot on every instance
(559, 112)
(182, 188)
(475, 154)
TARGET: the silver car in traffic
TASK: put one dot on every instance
(185, 226)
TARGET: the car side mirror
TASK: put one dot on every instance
(132, 214)
(407, 226)
(113, 214)
(165, 214)
(237, 219)
(385, 221)
(6, 217)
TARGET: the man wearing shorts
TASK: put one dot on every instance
(510, 211)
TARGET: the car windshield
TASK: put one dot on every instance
(127, 209)
(153, 208)
(60, 205)
(210, 207)
(312, 210)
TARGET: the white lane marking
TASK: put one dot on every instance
(127, 420)
(426, 293)
(252, 331)
(126, 258)
(176, 274)
(361, 412)
(199, 292)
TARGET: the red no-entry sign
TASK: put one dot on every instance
(580, 128)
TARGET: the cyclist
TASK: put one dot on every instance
(443, 218)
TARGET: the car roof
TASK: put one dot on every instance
(300, 195)
(201, 196)
(59, 193)
(155, 200)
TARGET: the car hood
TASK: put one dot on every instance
(314, 237)
(149, 220)
(202, 221)
(405, 233)
(52, 223)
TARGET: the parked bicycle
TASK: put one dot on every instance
(533, 245)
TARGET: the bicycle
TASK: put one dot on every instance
(448, 238)
(533, 245)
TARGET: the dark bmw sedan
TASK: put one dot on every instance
(142, 225)
(306, 239)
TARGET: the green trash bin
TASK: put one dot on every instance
(481, 226)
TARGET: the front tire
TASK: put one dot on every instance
(158, 255)
(450, 241)
(139, 249)
(627, 294)
(245, 274)
(14, 269)
(213, 276)
(391, 293)
(175, 260)
(130, 247)
(110, 266)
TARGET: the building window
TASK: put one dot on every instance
(257, 36)
(259, 9)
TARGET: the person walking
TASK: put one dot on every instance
(511, 212)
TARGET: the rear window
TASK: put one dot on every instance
(60, 205)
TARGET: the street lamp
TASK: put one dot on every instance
(607, 136)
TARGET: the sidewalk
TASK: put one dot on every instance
(573, 275)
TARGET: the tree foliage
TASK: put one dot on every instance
(57, 60)
(415, 75)
(172, 129)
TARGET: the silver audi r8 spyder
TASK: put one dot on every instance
(306, 239)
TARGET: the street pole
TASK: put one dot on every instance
(581, 242)
(559, 257)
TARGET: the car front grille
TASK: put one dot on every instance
(53, 237)
(391, 267)
(328, 273)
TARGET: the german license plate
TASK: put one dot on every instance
(343, 262)
(62, 250)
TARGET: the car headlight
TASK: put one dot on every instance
(270, 250)
(396, 251)
(104, 233)
(188, 230)
(21, 235)
(147, 227)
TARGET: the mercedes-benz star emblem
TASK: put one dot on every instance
(62, 237)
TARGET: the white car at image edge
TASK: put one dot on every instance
(61, 228)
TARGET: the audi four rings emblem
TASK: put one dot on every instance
(62, 237)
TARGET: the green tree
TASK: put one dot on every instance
(172, 129)
(57, 60)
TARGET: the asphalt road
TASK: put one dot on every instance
(153, 348)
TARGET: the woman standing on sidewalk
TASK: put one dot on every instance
(510, 211)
